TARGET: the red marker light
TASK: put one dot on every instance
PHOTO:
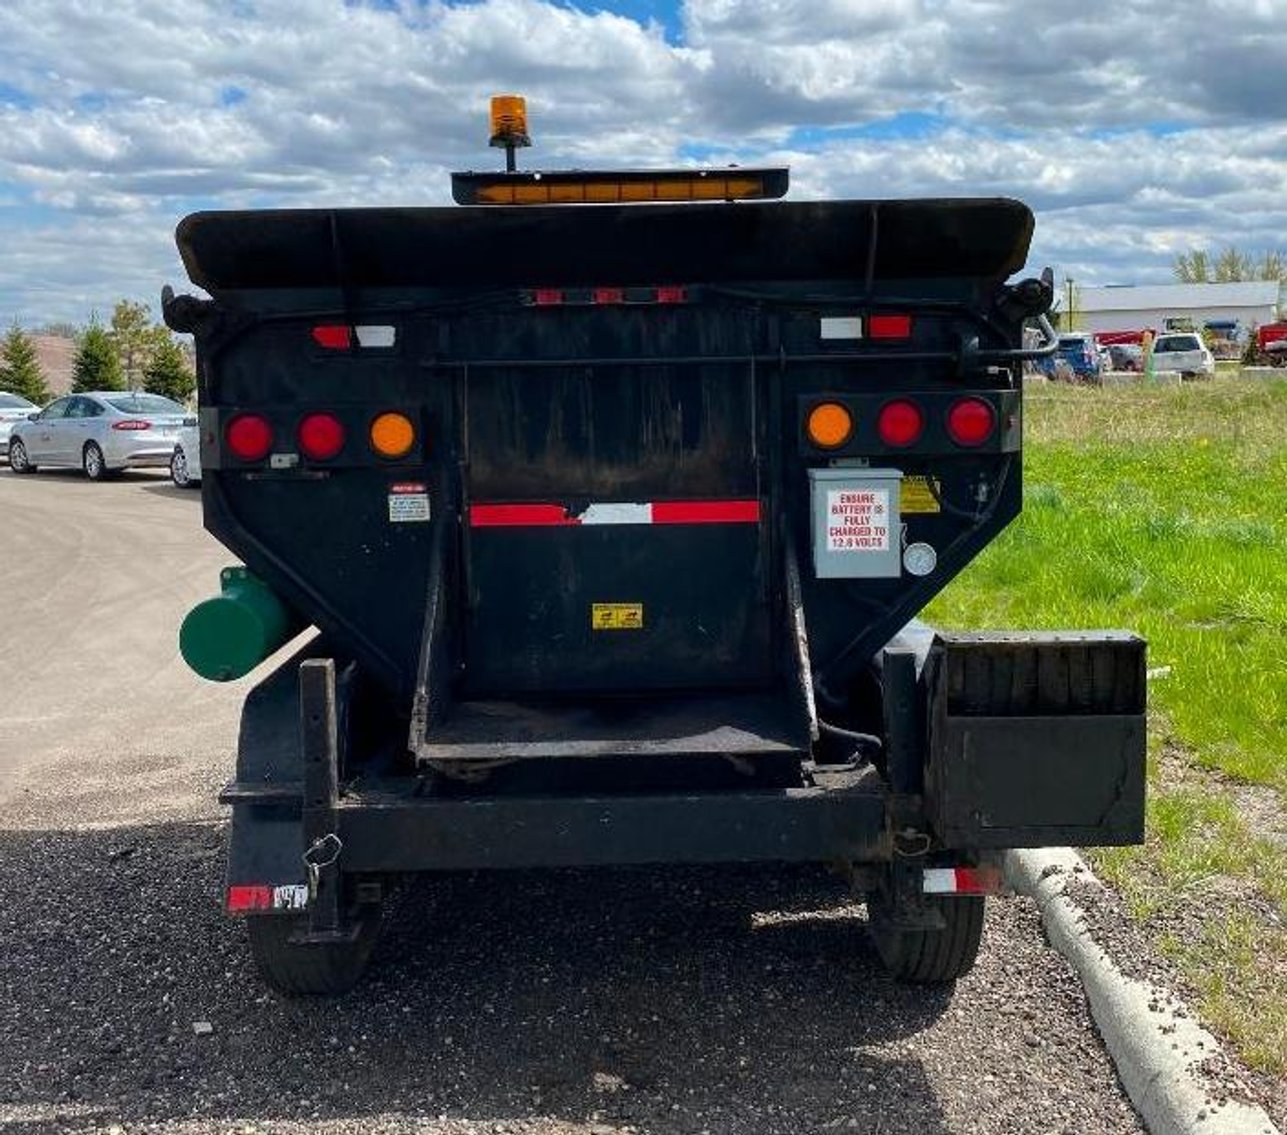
(547, 297)
(333, 336)
(243, 898)
(321, 436)
(889, 326)
(132, 424)
(971, 421)
(249, 437)
(609, 295)
(900, 424)
(670, 294)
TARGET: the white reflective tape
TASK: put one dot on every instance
(617, 513)
(939, 881)
(290, 896)
(841, 327)
(375, 335)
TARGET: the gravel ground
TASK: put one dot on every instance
(1127, 942)
(642, 1001)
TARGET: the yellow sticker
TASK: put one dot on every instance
(914, 495)
(616, 616)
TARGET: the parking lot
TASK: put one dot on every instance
(645, 1000)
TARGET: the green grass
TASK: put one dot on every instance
(1161, 510)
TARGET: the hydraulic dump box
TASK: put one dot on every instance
(612, 522)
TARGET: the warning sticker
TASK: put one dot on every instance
(858, 520)
(918, 496)
(408, 503)
(616, 616)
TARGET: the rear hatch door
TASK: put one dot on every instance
(616, 534)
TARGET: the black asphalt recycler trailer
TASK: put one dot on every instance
(613, 520)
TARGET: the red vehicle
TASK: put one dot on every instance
(1271, 339)
(1120, 338)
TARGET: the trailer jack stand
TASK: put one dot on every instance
(320, 744)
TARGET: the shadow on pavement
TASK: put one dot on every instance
(656, 999)
(168, 488)
(150, 479)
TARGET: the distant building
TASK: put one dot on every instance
(1134, 307)
(56, 356)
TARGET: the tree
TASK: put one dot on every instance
(59, 329)
(1193, 267)
(168, 374)
(1231, 266)
(20, 371)
(136, 339)
(1273, 266)
(97, 365)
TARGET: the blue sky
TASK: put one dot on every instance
(1134, 131)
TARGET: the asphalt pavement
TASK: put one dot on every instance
(546, 1002)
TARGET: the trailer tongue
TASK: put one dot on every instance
(612, 520)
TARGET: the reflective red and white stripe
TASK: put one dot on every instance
(961, 881)
(341, 336)
(248, 899)
(615, 512)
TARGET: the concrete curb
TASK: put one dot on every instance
(1155, 1050)
(1138, 378)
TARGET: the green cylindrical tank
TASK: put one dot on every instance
(226, 637)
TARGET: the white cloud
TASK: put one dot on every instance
(1107, 210)
(128, 116)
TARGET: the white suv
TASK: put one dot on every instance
(1185, 352)
(185, 461)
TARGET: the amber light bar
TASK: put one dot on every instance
(616, 187)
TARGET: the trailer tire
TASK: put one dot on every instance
(927, 957)
(302, 969)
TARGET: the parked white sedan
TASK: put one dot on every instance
(185, 462)
(1184, 352)
(100, 431)
(14, 408)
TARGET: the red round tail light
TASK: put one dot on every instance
(321, 436)
(971, 421)
(249, 437)
(901, 423)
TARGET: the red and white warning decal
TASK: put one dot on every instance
(857, 520)
(615, 512)
(248, 899)
(961, 881)
(408, 502)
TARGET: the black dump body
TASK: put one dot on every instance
(615, 544)
(520, 403)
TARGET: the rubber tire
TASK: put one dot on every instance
(178, 460)
(26, 466)
(103, 471)
(308, 970)
(929, 957)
